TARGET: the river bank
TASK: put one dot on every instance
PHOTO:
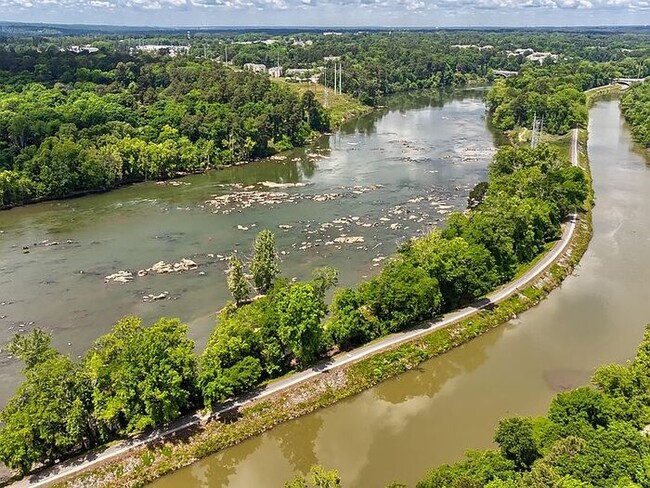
(341, 383)
(342, 108)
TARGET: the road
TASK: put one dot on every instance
(84, 462)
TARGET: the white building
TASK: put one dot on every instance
(275, 72)
(255, 68)
(81, 49)
(173, 51)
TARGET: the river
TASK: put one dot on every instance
(404, 426)
(384, 177)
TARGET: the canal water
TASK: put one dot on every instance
(346, 201)
(401, 428)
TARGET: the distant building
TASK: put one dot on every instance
(540, 57)
(300, 42)
(301, 72)
(81, 49)
(275, 72)
(172, 51)
(472, 46)
(255, 68)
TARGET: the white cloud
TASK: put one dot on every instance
(284, 4)
(425, 13)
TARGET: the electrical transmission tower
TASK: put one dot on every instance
(538, 128)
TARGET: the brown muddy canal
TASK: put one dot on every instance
(401, 428)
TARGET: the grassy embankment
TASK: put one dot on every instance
(151, 462)
(601, 91)
(341, 107)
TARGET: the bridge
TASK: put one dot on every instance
(628, 81)
(504, 73)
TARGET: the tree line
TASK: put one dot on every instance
(635, 105)
(138, 377)
(145, 118)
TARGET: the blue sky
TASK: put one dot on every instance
(414, 13)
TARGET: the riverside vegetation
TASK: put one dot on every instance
(75, 122)
(71, 124)
(138, 377)
(635, 105)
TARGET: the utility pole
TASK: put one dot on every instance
(340, 77)
(335, 78)
(538, 127)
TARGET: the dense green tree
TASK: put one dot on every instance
(264, 264)
(635, 105)
(49, 416)
(516, 442)
(141, 376)
(237, 282)
(464, 271)
(300, 309)
(32, 348)
(400, 296)
(351, 322)
(480, 469)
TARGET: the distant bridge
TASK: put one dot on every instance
(504, 73)
(628, 81)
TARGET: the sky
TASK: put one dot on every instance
(301, 13)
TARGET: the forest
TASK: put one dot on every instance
(554, 93)
(635, 105)
(83, 123)
(379, 64)
(138, 377)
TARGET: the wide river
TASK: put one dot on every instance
(383, 178)
(399, 429)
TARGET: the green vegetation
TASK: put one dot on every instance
(635, 106)
(138, 119)
(377, 64)
(340, 106)
(238, 285)
(77, 122)
(138, 377)
(131, 379)
(317, 477)
(555, 93)
(154, 461)
(593, 436)
(264, 265)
